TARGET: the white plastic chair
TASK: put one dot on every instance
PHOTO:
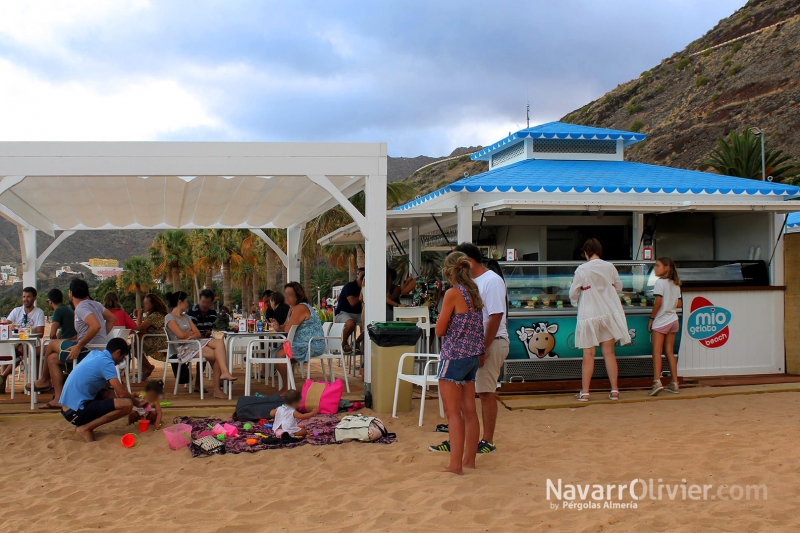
(255, 347)
(333, 350)
(424, 380)
(173, 358)
(123, 333)
(423, 319)
(140, 354)
(8, 350)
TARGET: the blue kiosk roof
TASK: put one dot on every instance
(793, 220)
(562, 130)
(549, 176)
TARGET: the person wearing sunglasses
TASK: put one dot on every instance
(25, 316)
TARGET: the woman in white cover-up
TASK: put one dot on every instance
(601, 319)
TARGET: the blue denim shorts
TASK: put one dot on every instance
(459, 371)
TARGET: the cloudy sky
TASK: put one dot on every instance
(425, 76)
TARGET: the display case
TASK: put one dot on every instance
(542, 288)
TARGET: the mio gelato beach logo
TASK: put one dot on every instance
(708, 323)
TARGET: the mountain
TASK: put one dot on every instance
(745, 72)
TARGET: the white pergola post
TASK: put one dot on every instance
(776, 241)
(374, 232)
(294, 238)
(50, 249)
(638, 228)
(27, 250)
(275, 248)
(464, 219)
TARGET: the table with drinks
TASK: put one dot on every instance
(12, 334)
(246, 327)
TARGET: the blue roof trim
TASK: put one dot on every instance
(793, 220)
(561, 130)
(623, 177)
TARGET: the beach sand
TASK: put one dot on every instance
(53, 481)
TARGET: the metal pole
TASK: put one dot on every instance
(763, 166)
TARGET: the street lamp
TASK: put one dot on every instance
(758, 132)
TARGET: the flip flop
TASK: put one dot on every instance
(46, 406)
(39, 391)
(442, 428)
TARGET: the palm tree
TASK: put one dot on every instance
(172, 251)
(137, 277)
(227, 249)
(740, 155)
(272, 261)
(207, 254)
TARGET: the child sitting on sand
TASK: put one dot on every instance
(151, 410)
(286, 417)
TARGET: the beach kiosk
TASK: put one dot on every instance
(550, 187)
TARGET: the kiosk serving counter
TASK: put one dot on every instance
(541, 320)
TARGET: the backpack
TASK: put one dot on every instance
(361, 428)
(254, 408)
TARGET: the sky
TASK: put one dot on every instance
(424, 76)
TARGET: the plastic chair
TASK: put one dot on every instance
(140, 354)
(8, 350)
(254, 347)
(173, 358)
(424, 380)
(423, 319)
(333, 350)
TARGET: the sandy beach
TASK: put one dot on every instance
(55, 482)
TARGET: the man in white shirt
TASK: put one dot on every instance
(492, 289)
(26, 316)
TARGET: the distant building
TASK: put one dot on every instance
(103, 263)
(105, 273)
(8, 270)
(64, 270)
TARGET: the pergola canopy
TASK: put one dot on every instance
(132, 185)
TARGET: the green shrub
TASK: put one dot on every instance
(634, 108)
(452, 165)
(660, 88)
(707, 53)
(727, 64)
(701, 81)
(734, 70)
(726, 57)
(637, 125)
(646, 74)
(736, 46)
(682, 64)
(714, 97)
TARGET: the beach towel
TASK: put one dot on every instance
(321, 430)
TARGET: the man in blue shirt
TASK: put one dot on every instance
(84, 401)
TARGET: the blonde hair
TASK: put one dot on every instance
(456, 270)
(673, 271)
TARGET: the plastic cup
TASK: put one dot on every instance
(129, 440)
(143, 425)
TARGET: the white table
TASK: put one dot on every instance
(30, 346)
(228, 336)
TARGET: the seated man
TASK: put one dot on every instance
(203, 314)
(85, 401)
(348, 308)
(93, 323)
(62, 326)
(26, 316)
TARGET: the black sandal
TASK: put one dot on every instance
(442, 428)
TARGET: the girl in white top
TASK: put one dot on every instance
(601, 319)
(286, 416)
(664, 323)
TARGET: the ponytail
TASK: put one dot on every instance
(457, 271)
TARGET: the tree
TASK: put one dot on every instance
(172, 250)
(740, 155)
(137, 277)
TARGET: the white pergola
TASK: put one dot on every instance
(79, 186)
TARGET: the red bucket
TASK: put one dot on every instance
(129, 440)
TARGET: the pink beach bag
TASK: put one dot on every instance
(322, 395)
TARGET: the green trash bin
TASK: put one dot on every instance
(390, 340)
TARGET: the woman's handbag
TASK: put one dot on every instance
(208, 445)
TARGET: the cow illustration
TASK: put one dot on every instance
(539, 340)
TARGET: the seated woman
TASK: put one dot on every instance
(151, 322)
(180, 327)
(111, 302)
(302, 315)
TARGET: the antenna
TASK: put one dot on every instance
(528, 113)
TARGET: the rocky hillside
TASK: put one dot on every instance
(731, 78)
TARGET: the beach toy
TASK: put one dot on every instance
(165, 404)
(230, 430)
(217, 429)
(143, 424)
(251, 442)
(205, 433)
(247, 427)
(178, 436)
(221, 437)
(129, 440)
(261, 435)
(262, 422)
